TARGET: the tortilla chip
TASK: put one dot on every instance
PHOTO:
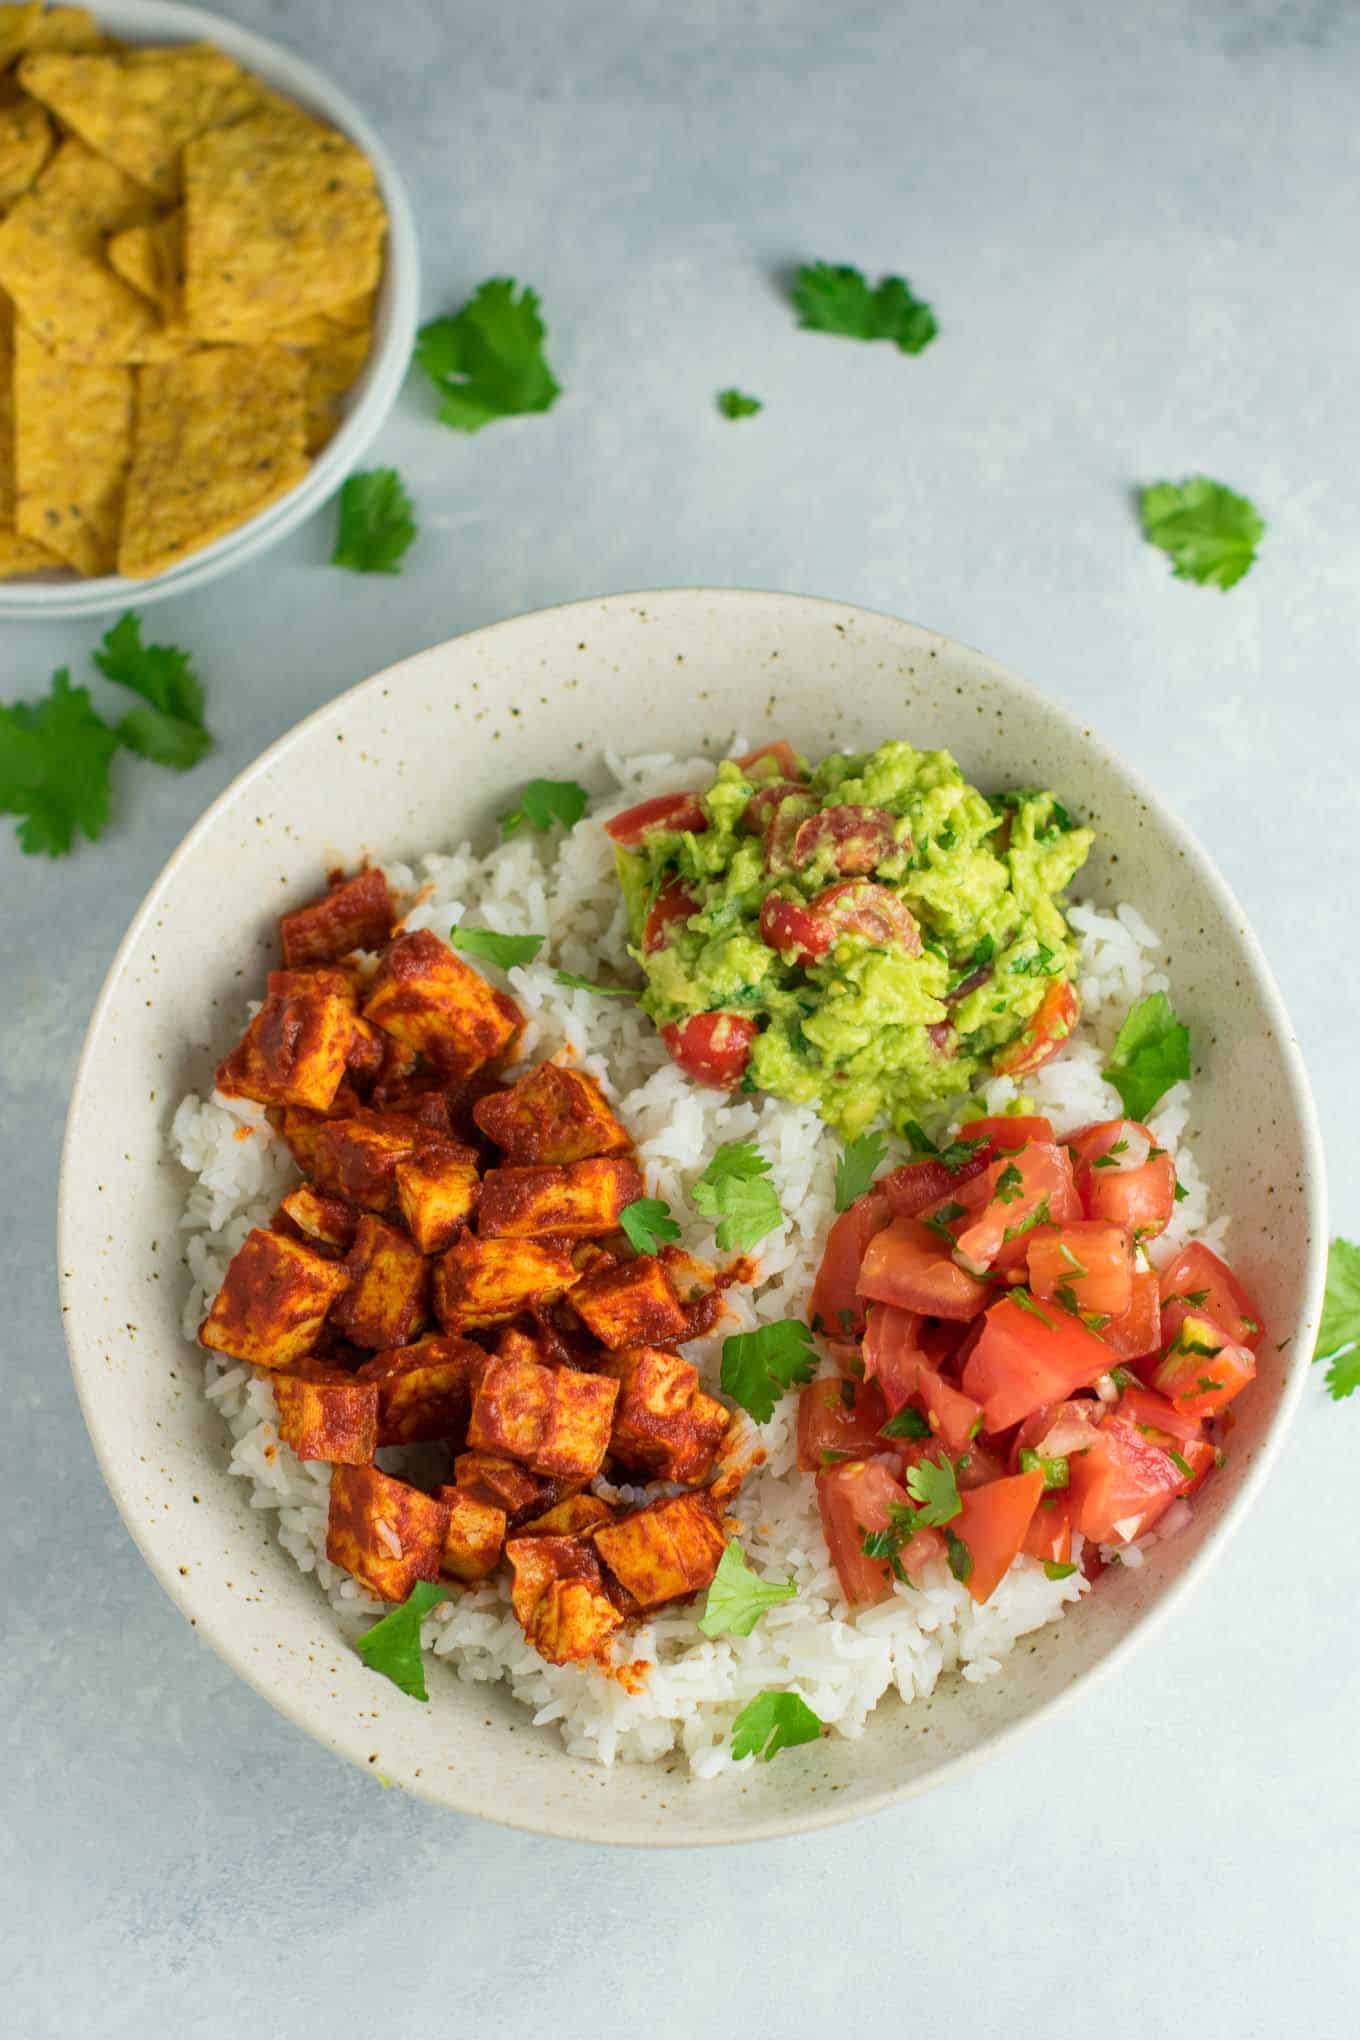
(47, 28)
(139, 109)
(17, 555)
(52, 260)
(282, 219)
(25, 143)
(16, 25)
(148, 258)
(218, 436)
(355, 312)
(72, 439)
(331, 373)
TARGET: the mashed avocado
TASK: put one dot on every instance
(880, 930)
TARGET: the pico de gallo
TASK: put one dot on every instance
(1013, 1373)
(870, 935)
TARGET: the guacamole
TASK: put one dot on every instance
(870, 935)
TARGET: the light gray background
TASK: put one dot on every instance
(1138, 226)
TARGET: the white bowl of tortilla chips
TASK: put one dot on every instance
(208, 296)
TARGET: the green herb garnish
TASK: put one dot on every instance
(377, 523)
(856, 1166)
(648, 1224)
(835, 298)
(1338, 1340)
(758, 1367)
(773, 1722)
(735, 1189)
(392, 1646)
(735, 404)
(486, 361)
(738, 1597)
(504, 950)
(543, 802)
(1209, 533)
(1151, 1053)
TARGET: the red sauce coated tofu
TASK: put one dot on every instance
(572, 1517)
(424, 1389)
(487, 1282)
(669, 1549)
(504, 1483)
(475, 1537)
(664, 1424)
(282, 984)
(429, 999)
(356, 913)
(387, 1534)
(385, 1303)
(559, 1597)
(437, 1191)
(326, 1219)
(630, 1305)
(571, 1199)
(357, 1158)
(273, 1300)
(551, 1115)
(292, 1053)
(324, 1413)
(553, 1418)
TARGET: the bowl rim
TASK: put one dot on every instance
(380, 380)
(807, 1818)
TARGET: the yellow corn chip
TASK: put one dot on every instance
(282, 219)
(52, 260)
(25, 141)
(139, 255)
(140, 108)
(355, 312)
(17, 555)
(34, 27)
(331, 371)
(72, 439)
(16, 25)
(218, 436)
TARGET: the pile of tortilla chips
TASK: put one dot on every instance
(188, 266)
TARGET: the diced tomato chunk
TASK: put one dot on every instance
(893, 1357)
(1157, 1414)
(1044, 1033)
(759, 813)
(915, 1186)
(906, 1264)
(856, 1497)
(1198, 1281)
(713, 1048)
(1008, 1131)
(1026, 1357)
(1121, 1485)
(837, 1308)
(1123, 1176)
(1090, 1261)
(676, 813)
(784, 759)
(859, 838)
(953, 1416)
(993, 1525)
(855, 906)
(1201, 1458)
(672, 906)
(1138, 1330)
(1049, 1535)
(1013, 1194)
(1202, 1369)
(796, 932)
(839, 1417)
(1059, 1429)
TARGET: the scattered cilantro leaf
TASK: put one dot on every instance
(1056, 1471)
(836, 298)
(736, 404)
(1025, 1301)
(757, 1367)
(1010, 1184)
(1039, 1216)
(581, 984)
(392, 1646)
(953, 1156)
(857, 1164)
(738, 1596)
(936, 1489)
(486, 360)
(908, 1423)
(648, 1223)
(773, 1722)
(960, 1557)
(170, 729)
(940, 1221)
(735, 1190)
(501, 949)
(1209, 533)
(1151, 1053)
(545, 801)
(54, 767)
(1338, 1341)
(1055, 1569)
(377, 523)
(1180, 1462)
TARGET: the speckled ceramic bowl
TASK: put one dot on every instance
(418, 756)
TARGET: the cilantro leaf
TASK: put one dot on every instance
(933, 1485)
(735, 404)
(738, 1597)
(1151, 1053)
(734, 1190)
(501, 949)
(377, 523)
(757, 1367)
(908, 1423)
(545, 801)
(580, 984)
(486, 360)
(1209, 533)
(647, 1221)
(773, 1722)
(953, 1156)
(54, 767)
(392, 1646)
(960, 1557)
(1339, 1333)
(1057, 1569)
(836, 298)
(170, 729)
(856, 1166)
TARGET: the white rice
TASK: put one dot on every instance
(691, 1687)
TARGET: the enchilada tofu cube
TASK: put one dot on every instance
(632, 1304)
(384, 1532)
(428, 999)
(327, 1220)
(504, 1483)
(344, 984)
(572, 1200)
(436, 1191)
(573, 1517)
(385, 1302)
(424, 1390)
(663, 1424)
(324, 1413)
(355, 913)
(552, 1114)
(559, 1597)
(487, 1282)
(365, 1059)
(669, 1549)
(357, 1158)
(273, 1300)
(475, 1538)
(552, 1418)
(292, 1053)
